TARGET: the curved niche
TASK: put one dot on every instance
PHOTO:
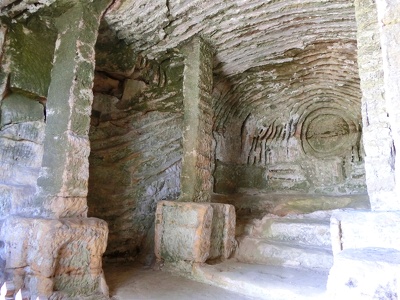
(328, 132)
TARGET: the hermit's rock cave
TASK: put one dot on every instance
(213, 140)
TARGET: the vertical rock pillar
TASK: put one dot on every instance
(377, 133)
(204, 230)
(50, 247)
(3, 75)
(196, 177)
(389, 27)
(367, 258)
(63, 183)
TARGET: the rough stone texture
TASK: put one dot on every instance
(136, 150)
(264, 282)
(22, 9)
(365, 229)
(183, 231)
(257, 251)
(377, 135)
(31, 68)
(21, 154)
(108, 45)
(49, 257)
(21, 143)
(56, 257)
(303, 231)
(222, 240)
(369, 273)
(283, 82)
(245, 34)
(16, 108)
(63, 182)
(389, 28)
(319, 152)
(196, 178)
(3, 62)
(294, 240)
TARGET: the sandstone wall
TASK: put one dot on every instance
(23, 93)
(136, 137)
(303, 130)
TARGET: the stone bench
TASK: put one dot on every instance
(194, 232)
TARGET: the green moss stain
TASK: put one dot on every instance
(31, 49)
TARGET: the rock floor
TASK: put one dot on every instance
(133, 281)
(265, 281)
(240, 281)
(231, 279)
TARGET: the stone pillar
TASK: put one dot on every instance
(3, 73)
(389, 27)
(377, 135)
(50, 247)
(196, 177)
(63, 183)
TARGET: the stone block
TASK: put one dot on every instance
(222, 242)
(64, 255)
(21, 153)
(261, 251)
(30, 69)
(27, 131)
(182, 231)
(132, 89)
(361, 229)
(301, 231)
(17, 108)
(365, 273)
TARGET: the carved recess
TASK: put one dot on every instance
(328, 132)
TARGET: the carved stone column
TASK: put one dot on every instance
(196, 177)
(377, 135)
(63, 183)
(50, 246)
(389, 27)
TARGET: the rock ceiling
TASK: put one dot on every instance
(276, 59)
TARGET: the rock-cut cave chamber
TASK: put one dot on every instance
(199, 137)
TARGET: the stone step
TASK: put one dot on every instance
(269, 252)
(365, 273)
(264, 282)
(301, 231)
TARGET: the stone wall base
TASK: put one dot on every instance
(61, 257)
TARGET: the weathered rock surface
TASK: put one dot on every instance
(136, 150)
(196, 177)
(31, 68)
(44, 126)
(295, 240)
(222, 239)
(389, 29)
(21, 157)
(301, 95)
(56, 256)
(377, 136)
(63, 180)
(194, 232)
(183, 231)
